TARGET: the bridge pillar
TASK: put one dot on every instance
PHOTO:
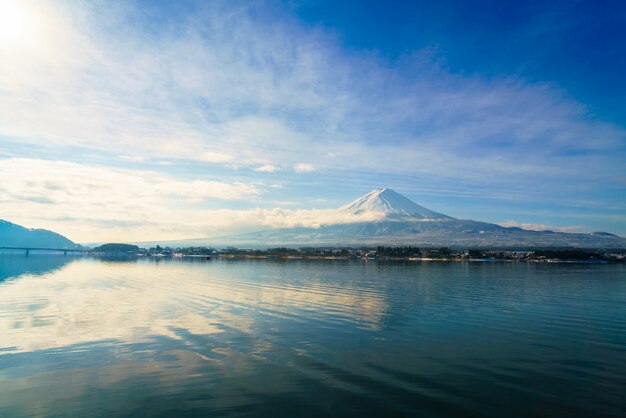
(64, 252)
(27, 252)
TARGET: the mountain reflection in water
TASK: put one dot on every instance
(12, 265)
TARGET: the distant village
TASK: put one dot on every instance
(380, 253)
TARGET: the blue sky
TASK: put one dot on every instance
(145, 120)
(578, 45)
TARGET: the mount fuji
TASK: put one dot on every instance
(394, 219)
(390, 205)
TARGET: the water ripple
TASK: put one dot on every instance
(305, 338)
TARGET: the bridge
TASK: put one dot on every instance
(29, 249)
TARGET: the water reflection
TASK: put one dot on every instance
(12, 265)
(127, 301)
(258, 338)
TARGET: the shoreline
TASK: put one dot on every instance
(382, 259)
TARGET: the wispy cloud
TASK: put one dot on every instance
(233, 88)
(218, 91)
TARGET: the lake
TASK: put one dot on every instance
(270, 338)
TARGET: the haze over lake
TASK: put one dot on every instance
(303, 338)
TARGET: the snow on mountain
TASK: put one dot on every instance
(392, 205)
(384, 217)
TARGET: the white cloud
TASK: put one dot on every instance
(223, 91)
(542, 227)
(133, 158)
(267, 168)
(216, 157)
(103, 203)
(238, 91)
(303, 168)
(287, 218)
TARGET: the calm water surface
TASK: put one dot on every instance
(88, 337)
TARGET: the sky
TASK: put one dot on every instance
(146, 120)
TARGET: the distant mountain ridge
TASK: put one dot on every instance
(393, 219)
(13, 235)
(400, 221)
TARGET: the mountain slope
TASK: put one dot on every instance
(401, 221)
(12, 235)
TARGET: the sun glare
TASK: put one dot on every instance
(17, 23)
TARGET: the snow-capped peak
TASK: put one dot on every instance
(392, 205)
